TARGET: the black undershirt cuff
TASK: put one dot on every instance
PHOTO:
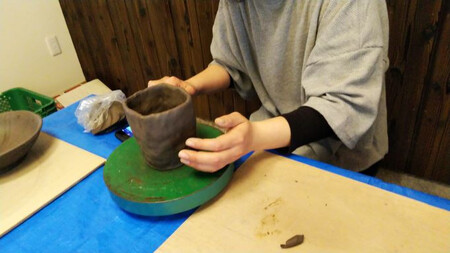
(307, 125)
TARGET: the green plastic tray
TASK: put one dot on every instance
(141, 189)
(23, 99)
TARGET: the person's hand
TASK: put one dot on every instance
(216, 153)
(175, 81)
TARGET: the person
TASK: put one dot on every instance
(318, 69)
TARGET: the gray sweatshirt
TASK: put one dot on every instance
(330, 55)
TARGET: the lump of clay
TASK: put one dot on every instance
(293, 241)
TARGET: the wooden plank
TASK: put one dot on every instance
(216, 106)
(201, 107)
(96, 49)
(228, 101)
(50, 168)
(187, 37)
(239, 103)
(271, 198)
(205, 13)
(108, 39)
(139, 19)
(443, 157)
(127, 47)
(405, 108)
(189, 46)
(215, 7)
(435, 110)
(78, 37)
(163, 34)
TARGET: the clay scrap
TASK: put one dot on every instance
(293, 241)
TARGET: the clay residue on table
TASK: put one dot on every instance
(273, 203)
(268, 224)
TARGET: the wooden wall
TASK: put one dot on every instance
(418, 87)
(125, 43)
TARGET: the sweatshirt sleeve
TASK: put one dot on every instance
(228, 51)
(344, 74)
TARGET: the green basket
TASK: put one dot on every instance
(23, 99)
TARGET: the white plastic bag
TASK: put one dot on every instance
(95, 113)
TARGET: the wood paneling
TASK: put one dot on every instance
(125, 43)
(433, 128)
(417, 100)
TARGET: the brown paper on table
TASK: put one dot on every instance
(272, 198)
(50, 168)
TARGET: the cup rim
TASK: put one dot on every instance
(162, 85)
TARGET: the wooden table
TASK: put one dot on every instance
(272, 198)
(85, 219)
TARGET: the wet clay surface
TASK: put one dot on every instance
(161, 118)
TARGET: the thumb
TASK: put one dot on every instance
(230, 120)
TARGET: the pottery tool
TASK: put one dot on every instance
(50, 168)
(271, 198)
(140, 189)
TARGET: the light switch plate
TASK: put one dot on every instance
(53, 45)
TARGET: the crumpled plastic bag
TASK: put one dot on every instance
(99, 112)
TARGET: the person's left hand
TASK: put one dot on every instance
(216, 153)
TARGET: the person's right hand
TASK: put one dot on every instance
(175, 81)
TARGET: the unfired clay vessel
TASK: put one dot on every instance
(18, 133)
(161, 118)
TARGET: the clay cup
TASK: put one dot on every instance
(162, 118)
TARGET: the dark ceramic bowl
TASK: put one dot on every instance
(18, 132)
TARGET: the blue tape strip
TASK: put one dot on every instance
(63, 125)
(407, 192)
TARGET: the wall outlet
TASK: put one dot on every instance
(53, 45)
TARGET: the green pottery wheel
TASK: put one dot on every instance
(141, 189)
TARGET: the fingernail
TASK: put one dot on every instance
(184, 161)
(190, 142)
(220, 121)
(183, 155)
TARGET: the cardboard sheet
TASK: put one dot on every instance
(272, 198)
(50, 168)
(95, 87)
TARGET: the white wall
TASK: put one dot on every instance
(24, 58)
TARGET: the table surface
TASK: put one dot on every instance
(85, 218)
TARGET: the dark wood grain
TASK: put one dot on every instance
(163, 34)
(106, 37)
(430, 156)
(189, 46)
(414, 31)
(73, 18)
(139, 19)
(125, 43)
(125, 40)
